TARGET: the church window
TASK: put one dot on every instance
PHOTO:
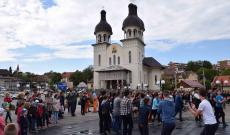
(155, 79)
(118, 60)
(104, 37)
(110, 61)
(130, 60)
(99, 60)
(114, 59)
(134, 32)
(99, 38)
(129, 32)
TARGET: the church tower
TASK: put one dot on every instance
(133, 44)
(103, 32)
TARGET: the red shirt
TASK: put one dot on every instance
(8, 99)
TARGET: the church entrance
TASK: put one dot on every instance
(115, 84)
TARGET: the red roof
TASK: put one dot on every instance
(193, 84)
(66, 74)
(222, 79)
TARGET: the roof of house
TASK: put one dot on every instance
(66, 74)
(4, 72)
(192, 83)
(151, 62)
(222, 79)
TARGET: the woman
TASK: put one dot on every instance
(56, 108)
(7, 107)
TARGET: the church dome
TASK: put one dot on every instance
(103, 25)
(132, 19)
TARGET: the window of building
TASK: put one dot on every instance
(118, 60)
(104, 37)
(129, 32)
(155, 79)
(110, 61)
(99, 60)
(114, 59)
(99, 38)
(130, 59)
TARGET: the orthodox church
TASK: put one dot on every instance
(118, 66)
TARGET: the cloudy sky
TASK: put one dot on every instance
(44, 35)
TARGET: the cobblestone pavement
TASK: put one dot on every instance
(88, 124)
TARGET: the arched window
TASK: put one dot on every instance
(118, 60)
(99, 38)
(109, 38)
(139, 33)
(129, 32)
(155, 79)
(99, 60)
(110, 61)
(114, 59)
(134, 32)
(104, 37)
(130, 60)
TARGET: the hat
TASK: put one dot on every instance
(1, 111)
(24, 110)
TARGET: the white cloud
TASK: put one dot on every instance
(26, 22)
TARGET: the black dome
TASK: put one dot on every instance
(103, 25)
(132, 19)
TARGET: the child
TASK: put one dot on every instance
(7, 105)
(2, 123)
(24, 122)
(10, 129)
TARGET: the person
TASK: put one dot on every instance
(49, 103)
(33, 115)
(7, 106)
(105, 111)
(219, 108)
(11, 129)
(178, 105)
(126, 113)
(116, 114)
(95, 102)
(2, 122)
(206, 110)
(39, 115)
(167, 112)
(143, 117)
(155, 107)
(100, 99)
(62, 104)
(24, 122)
(196, 101)
(72, 101)
(56, 108)
(83, 103)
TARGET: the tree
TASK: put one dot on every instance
(196, 65)
(88, 73)
(207, 64)
(225, 72)
(77, 77)
(54, 77)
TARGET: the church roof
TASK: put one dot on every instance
(113, 68)
(151, 62)
(132, 19)
(103, 25)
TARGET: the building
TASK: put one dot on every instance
(224, 64)
(8, 81)
(119, 66)
(65, 76)
(189, 85)
(177, 66)
(221, 82)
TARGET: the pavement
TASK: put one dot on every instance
(88, 124)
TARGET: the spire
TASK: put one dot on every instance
(103, 15)
(132, 9)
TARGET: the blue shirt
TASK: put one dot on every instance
(178, 102)
(167, 111)
(143, 114)
(219, 98)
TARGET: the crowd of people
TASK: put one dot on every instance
(117, 111)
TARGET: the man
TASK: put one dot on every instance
(144, 112)
(126, 114)
(167, 112)
(100, 99)
(155, 107)
(206, 110)
(83, 103)
(105, 111)
(72, 100)
(219, 108)
(116, 114)
(179, 105)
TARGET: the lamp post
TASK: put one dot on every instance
(161, 83)
(138, 86)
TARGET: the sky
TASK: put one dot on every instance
(44, 35)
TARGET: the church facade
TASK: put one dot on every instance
(118, 66)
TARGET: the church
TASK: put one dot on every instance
(118, 66)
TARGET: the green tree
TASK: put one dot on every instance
(225, 72)
(88, 73)
(207, 64)
(209, 74)
(54, 77)
(77, 77)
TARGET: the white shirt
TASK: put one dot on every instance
(207, 112)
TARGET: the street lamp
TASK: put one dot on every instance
(138, 86)
(161, 83)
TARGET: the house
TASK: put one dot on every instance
(221, 82)
(189, 85)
